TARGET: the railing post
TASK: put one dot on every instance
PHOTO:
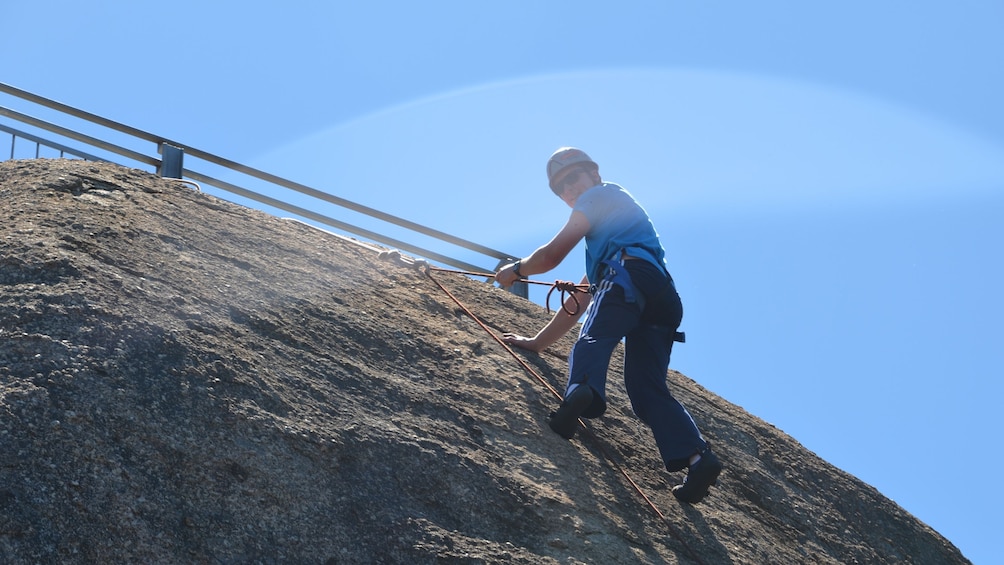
(171, 162)
(520, 289)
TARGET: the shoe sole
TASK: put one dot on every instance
(694, 498)
(565, 421)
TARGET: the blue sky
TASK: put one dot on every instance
(829, 180)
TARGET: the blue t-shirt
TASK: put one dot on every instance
(617, 223)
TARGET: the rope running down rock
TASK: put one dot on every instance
(424, 267)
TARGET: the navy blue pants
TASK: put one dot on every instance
(638, 303)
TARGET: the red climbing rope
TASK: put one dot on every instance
(563, 287)
(518, 359)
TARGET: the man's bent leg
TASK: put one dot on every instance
(646, 361)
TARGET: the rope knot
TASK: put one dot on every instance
(395, 256)
(421, 265)
(565, 287)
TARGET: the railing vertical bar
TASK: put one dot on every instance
(70, 134)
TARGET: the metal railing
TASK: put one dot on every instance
(171, 165)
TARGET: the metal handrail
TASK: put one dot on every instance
(232, 188)
(404, 246)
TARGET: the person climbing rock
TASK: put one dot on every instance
(632, 297)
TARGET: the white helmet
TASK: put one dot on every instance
(564, 157)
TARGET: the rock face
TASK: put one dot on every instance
(184, 380)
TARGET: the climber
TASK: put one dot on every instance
(632, 297)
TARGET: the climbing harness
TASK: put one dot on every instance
(427, 269)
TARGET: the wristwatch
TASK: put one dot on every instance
(515, 269)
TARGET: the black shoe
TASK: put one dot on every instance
(565, 421)
(700, 477)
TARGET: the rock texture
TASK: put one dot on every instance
(185, 380)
